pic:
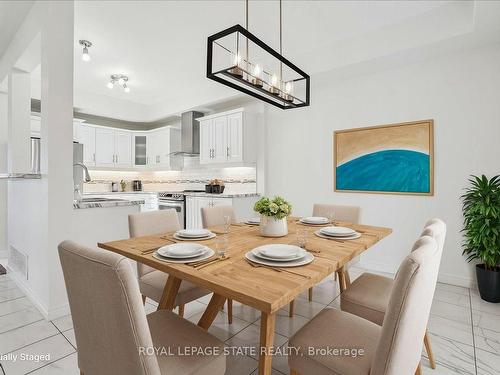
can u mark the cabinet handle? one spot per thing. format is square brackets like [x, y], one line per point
[117, 158]
[228, 151]
[93, 157]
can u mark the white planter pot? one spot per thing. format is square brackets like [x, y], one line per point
[271, 227]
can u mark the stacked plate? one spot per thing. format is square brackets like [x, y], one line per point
[314, 220]
[183, 253]
[253, 221]
[342, 233]
[280, 255]
[193, 234]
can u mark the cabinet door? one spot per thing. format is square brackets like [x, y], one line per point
[191, 217]
[206, 128]
[234, 150]
[87, 138]
[152, 151]
[104, 147]
[163, 147]
[140, 146]
[220, 139]
[123, 148]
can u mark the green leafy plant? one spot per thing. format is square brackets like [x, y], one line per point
[277, 207]
[481, 209]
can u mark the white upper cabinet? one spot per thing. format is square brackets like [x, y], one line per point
[104, 147]
[227, 138]
[158, 148]
[86, 136]
[123, 148]
[140, 149]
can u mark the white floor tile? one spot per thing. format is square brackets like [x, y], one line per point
[486, 339]
[450, 311]
[70, 335]
[446, 295]
[10, 294]
[487, 363]
[220, 328]
[193, 308]
[250, 338]
[452, 355]
[14, 305]
[305, 308]
[450, 329]
[26, 335]
[240, 364]
[452, 288]
[19, 319]
[483, 306]
[65, 366]
[56, 347]
[244, 312]
[486, 320]
[63, 323]
[285, 325]
[323, 293]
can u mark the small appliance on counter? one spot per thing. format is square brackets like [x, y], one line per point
[137, 185]
[215, 187]
[114, 187]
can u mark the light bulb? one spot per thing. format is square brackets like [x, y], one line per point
[289, 87]
[85, 55]
[121, 81]
[257, 70]
[126, 88]
[110, 85]
[237, 59]
[274, 80]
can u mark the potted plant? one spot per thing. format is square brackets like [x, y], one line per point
[273, 216]
[481, 208]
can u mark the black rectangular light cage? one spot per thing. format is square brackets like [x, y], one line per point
[238, 59]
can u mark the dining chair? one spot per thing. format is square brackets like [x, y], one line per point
[114, 335]
[214, 216]
[152, 281]
[343, 213]
[368, 296]
[391, 349]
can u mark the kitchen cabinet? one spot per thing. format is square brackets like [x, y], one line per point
[36, 122]
[86, 136]
[104, 147]
[158, 148]
[140, 147]
[228, 138]
[123, 148]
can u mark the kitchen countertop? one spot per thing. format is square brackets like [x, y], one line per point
[120, 192]
[106, 204]
[223, 195]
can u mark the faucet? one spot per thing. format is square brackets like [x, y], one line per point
[85, 169]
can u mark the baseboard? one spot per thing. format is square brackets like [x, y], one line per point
[48, 314]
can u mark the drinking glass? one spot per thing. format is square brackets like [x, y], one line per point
[302, 238]
[331, 217]
[221, 245]
[227, 223]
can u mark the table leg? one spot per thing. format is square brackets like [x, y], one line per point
[267, 322]
[215, 304]
[167, 301]
[344, 279]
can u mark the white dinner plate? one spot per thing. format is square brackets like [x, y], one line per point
[279, 251]
[182, 250]
[180, 238]
[308, 258]
[353, 237]
[337, 231]
[294, 256]
[193, 233]
[314, 220]
[207, 254]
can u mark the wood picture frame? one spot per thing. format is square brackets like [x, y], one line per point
[392, 159]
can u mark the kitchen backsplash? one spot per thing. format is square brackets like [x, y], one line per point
[236, 179]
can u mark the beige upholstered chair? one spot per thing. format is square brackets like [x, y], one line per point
[113, 333]
[368, 296]
[342, 213]
[391, 349]
[214, 216]
[151, 281]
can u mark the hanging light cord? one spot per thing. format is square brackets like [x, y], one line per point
[281, 41]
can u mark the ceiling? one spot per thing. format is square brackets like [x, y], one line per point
[161, 46]
[12, 14]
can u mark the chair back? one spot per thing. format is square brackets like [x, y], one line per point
[108, 316]
[435, 228]
[400, 345]
[342, 213]
[149, 224]
[213, 216]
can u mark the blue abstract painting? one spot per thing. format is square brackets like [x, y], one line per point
[392, 158]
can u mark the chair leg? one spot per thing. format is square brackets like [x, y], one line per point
[418, 371]
[310, 294]
[181, 311]
[230, 311]
[291, 309]
[143, 299]
[293, 372]
[335, 276]
[428, 349]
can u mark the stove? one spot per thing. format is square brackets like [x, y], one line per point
[169, 196]
[176, 200]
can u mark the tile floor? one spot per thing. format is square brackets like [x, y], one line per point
[465, 331]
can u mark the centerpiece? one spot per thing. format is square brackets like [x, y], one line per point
[273, 213]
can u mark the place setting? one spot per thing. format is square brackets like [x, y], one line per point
[337, 233]
[193, 235]
[315, 221]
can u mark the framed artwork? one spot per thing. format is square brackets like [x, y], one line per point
[390, 159]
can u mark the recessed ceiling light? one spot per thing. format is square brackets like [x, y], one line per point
[86, 45]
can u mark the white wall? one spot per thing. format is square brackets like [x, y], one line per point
[460, 92]
[3, 168]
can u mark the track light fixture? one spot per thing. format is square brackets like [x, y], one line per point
[86, 45]
[120, 80]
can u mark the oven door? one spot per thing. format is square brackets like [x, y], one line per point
[178, 206]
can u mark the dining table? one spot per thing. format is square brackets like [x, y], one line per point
[233, 277]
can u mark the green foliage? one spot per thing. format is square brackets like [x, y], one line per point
[481, 208]
[277, 207]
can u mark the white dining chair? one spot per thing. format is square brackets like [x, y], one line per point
[152, 281]
[368, 296]
[212, 217]
[391, 349]
[114, 335]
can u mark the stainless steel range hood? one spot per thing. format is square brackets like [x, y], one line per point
[190, 134]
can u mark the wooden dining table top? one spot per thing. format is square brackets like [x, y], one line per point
[235, 278]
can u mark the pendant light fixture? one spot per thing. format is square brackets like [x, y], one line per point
[120, 80]
[238, 59]
[85, 53]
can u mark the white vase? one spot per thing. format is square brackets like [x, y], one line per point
[271, 227]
